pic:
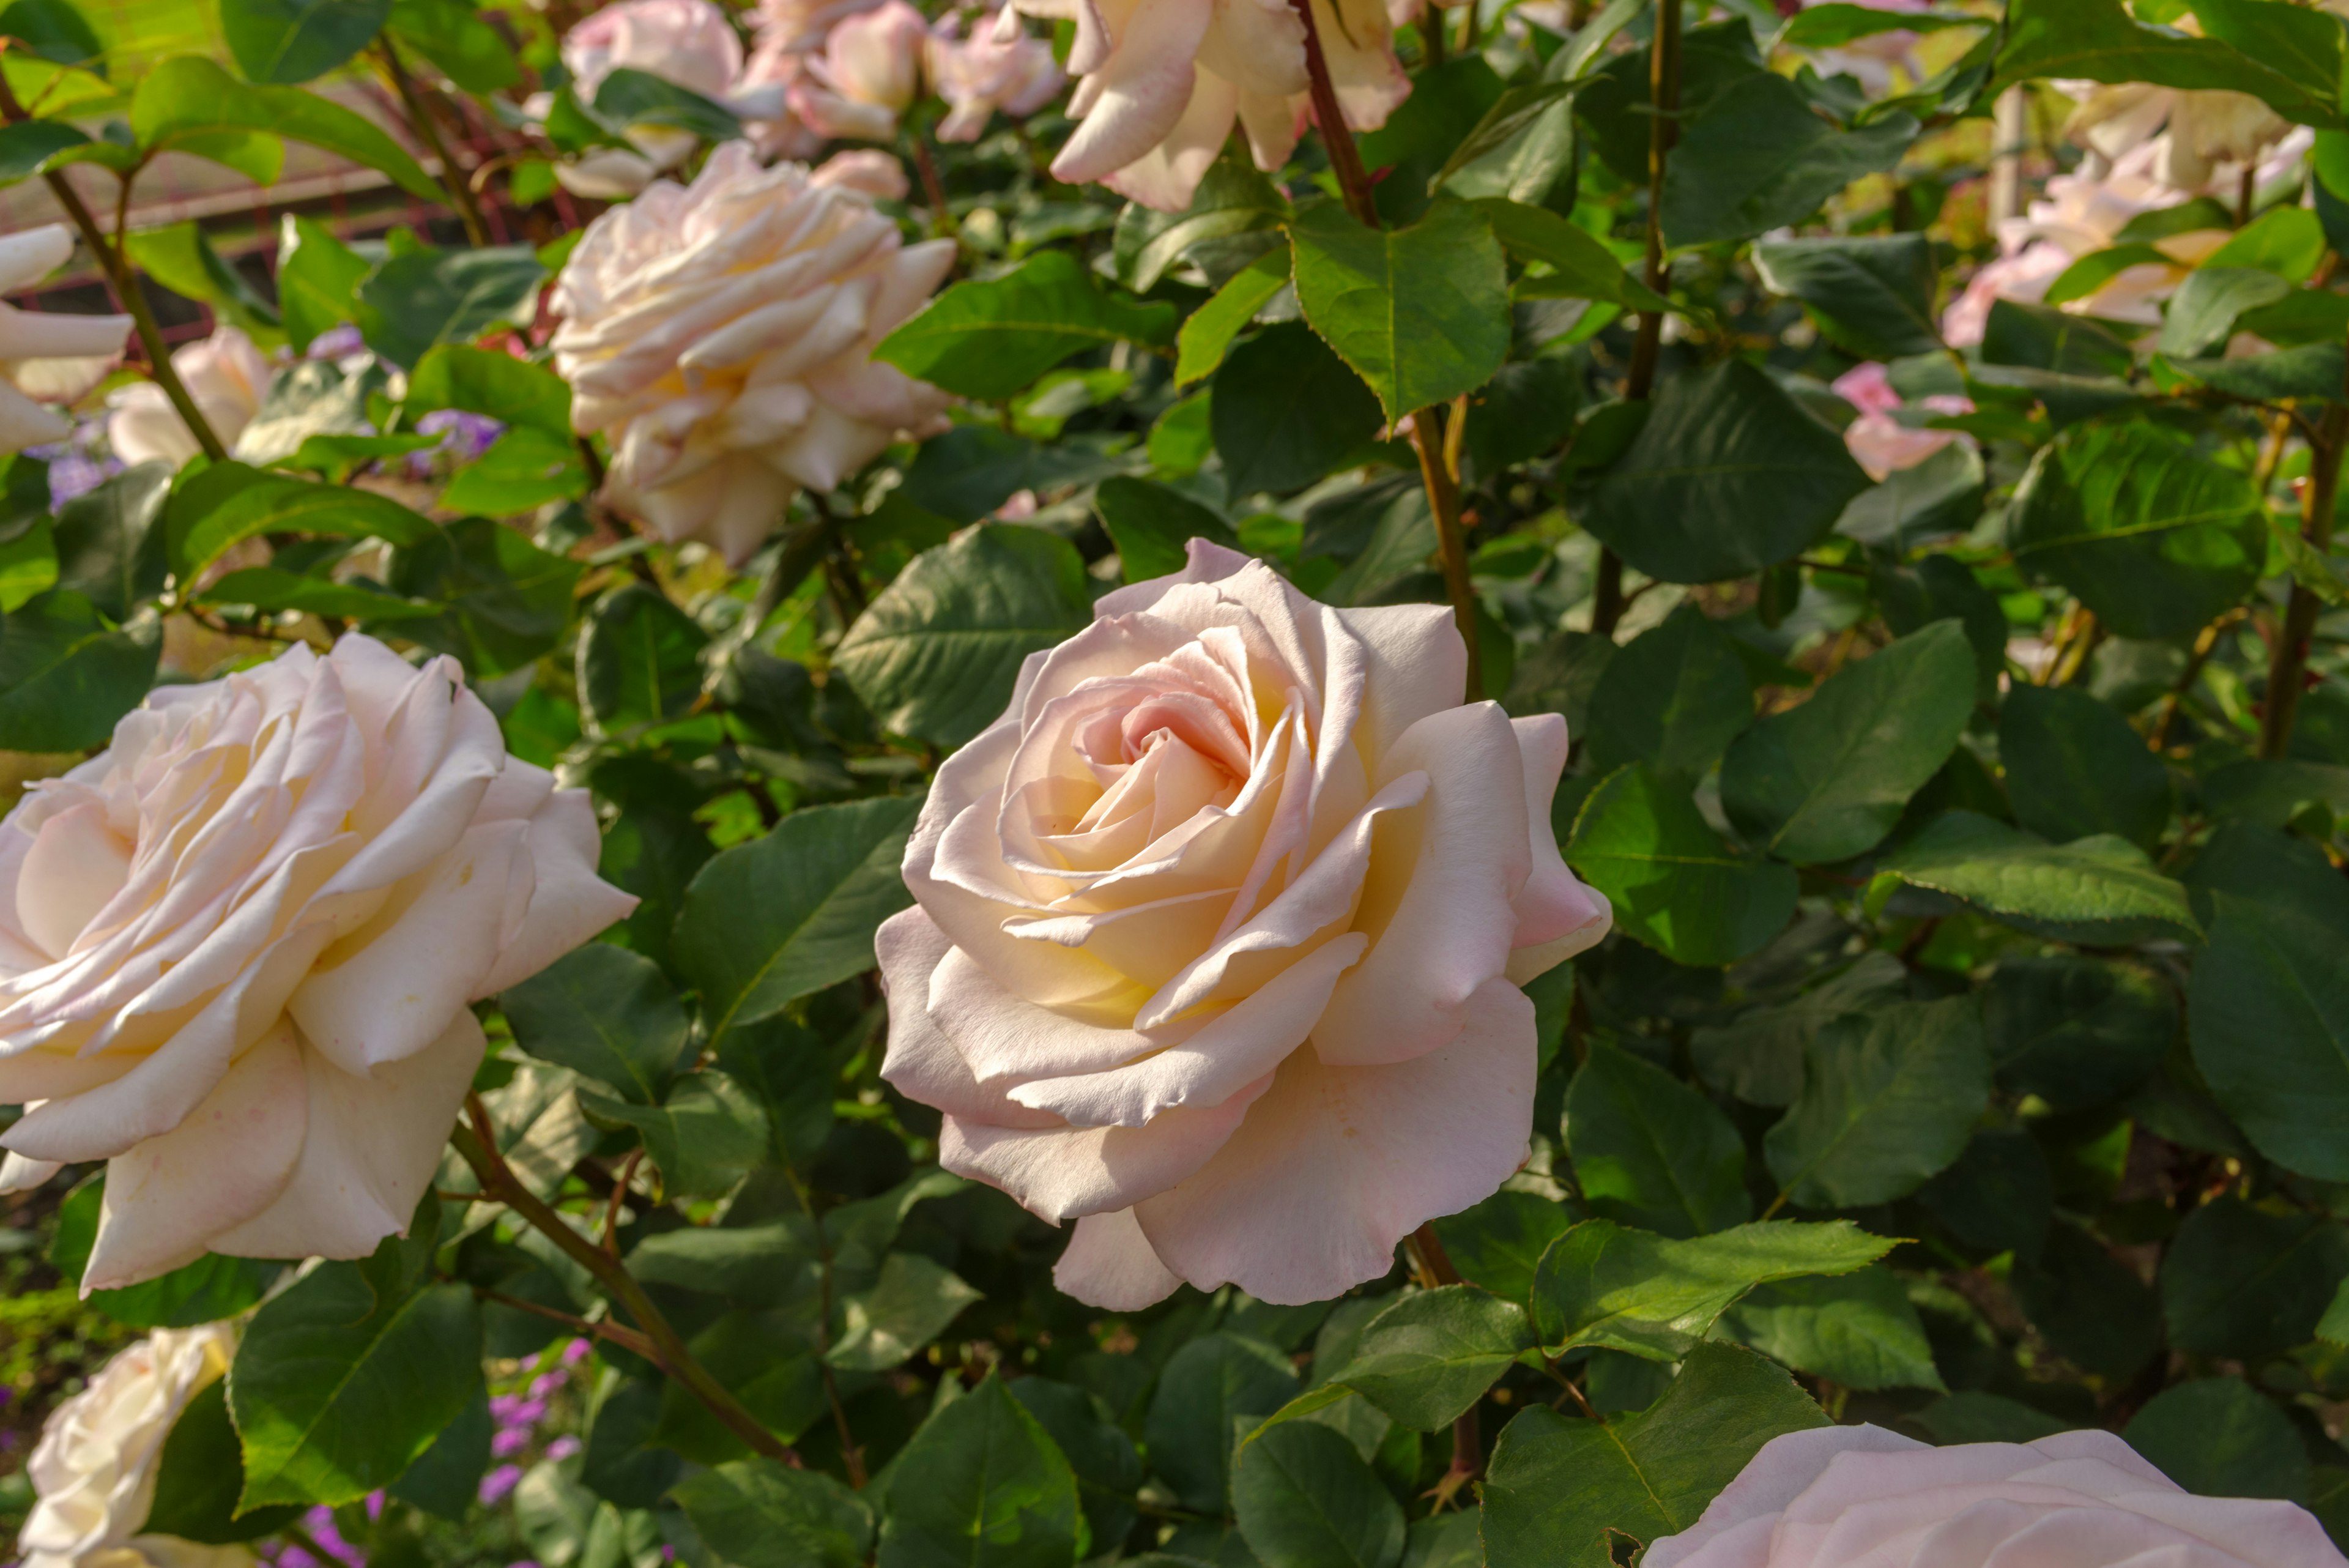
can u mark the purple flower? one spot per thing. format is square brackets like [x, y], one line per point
[500, 1482]
[502, 1408]
[577, 1351]
[508, 1442]
[464, 438]
[374, 1506]
[547, 1383]
[335, 342]
[562, 1448]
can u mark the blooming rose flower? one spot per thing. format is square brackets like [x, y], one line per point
[236, 948]
[1218, 933]
[866, 170]
[46, 357]
[1161, 81]
[800, 26]
[992, 70]
[2198, 130]
[723, 334]
[1837, 1496]
[226, 374]
[869, 72]
[1878, 441]
[94, 1471]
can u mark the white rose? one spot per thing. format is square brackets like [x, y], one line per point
[94, 1471]
[1837, 1497]
[46, 358]
[869, 72]
[236, 950]
[226, 376]
[722, 333]
[1218, 936]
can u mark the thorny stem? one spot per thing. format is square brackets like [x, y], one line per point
[1438, 460]
[626, 1338]
[478, 1145]
[125, 288]
[2288, 662]
[419, 116]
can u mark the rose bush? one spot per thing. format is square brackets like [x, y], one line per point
[236, 948]
[1219, 934]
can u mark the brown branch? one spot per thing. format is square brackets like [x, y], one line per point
[419, 116]
[2288, 660]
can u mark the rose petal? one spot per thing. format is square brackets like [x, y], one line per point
[1109, 1263]
[1062, 1173]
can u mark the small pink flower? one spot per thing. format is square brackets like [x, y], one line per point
[867, 169]
[1000, 68]
[1869, 387]
[869, 72]
[499, 1482]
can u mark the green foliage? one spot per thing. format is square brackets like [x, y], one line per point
[992, 338]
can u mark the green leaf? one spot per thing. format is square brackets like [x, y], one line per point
[1758, 157]
[413, 302]
[1578, 266]
[1673, 698]
[705, 1138]
[2202, 313]
[522, 470]
[1150, 525]
[2075, 767]
[507, 600]
[446, 1479]
[909, 1305]
[628, 99]
[1727, 476]
[1833, 25]
[288, 41]
[1758, 1056]
[767, 922]
[607, 1014]
[1207, 332]
[2221, 1437]
[107, 546]
[66, 675]
[2245, 1283]
[28, 147]
[1432, 1355]
[199, 1475]
[1673, 885]
[935, 656]
[985, 1487]
[1650, 1151]
[1970, 1416]
[2089, 1306]
[1917, 594]
[1858, 1331]
[348, 1375]
[1306, 1500]
[1497, 1243]
[760, 1513]
[1108, 1470]
[2098, 268]
[485, 381]
[181, 258]
[2267, 1016]
[639, 660]
[1601, 1284]
[1206, 1388]
[1872, 296]
[2098, 40]
[1827, 780]
[467, 49]
[230, 503]
[317, 280]
[189, 104]
[54, 30]
[1560, 1490]
[2286, 241]
[991, 338]
[2076, 1031]
[2153, 537]
[1887, 1100]
[2101, 890]
[1942, 495]
[309, 398]
[1422, 314]
[1233, 198]
[1285, 411]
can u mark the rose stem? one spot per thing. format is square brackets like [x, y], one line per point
[1608, 601]
[419, 115]
[478, 1145]
[618, 1334]
[1426, 424]
[2287, 665]
[1467, 1438]
[125, 288]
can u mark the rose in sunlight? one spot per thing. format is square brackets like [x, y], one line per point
[870, 70]
[45, 358]
[1218, 935]
[1842, 1495]
[236, 949]
[1162, 82]
[226, 374]
[722, 335]
[94, 1471]
[996, 68]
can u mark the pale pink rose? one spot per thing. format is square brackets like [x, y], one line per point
[1839, 1496]
[762, 96]
[800, 26]
[867, 170]
[1883, 445]
[870, 71]
[95, 1469]
[1218, 934]
[45, 356]
[237, 946]
[693, 45]
[226, 374]
[722, 335]
[1867, 387]
[993, 70]
[1162, 82]
[2198, 139]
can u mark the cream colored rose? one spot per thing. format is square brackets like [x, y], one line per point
[46, 358]
[1838, 1497]
[236, 950]
[94, 1471]
[995, 69]
[1218, 936]
[869, 72]
[722, 335]
[226, 374]
[2198, 131]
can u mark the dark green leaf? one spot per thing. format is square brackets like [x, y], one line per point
[1758, 1057]
[1858, 1331]
[1673, 698]
[910, 1303]
[1673, 883]
[187, 102]
[1206, 1387]
[2221, 1437]
[1887, 1100]
[199, 1475]
[2245, 1283]
[446, 1478]
[992, 338]
[639, 659]
[2092, 1308]
[66, 676]
[467, 49]
[1233, 198]
[760, 1513]
[1108, 1470]
[484, 381]
[1151, 525]
[1207, 332]
[230, 503]
[508, 601]
[412, 303]
[108, 549]
[1306, 1500]
[54, 30]
[1650, 1151]
[2202, 313]
[705, 1138]
[317, 280]
[1759, 157]
[1872, 296]
[605, 1013]
[2098, 40]
[2076, 1031]
[627, 98]
[2102, 890]
[2074, 767]
[1497, 1243]
[1578, 266]
[986, 1488]
[2268, 1014]
[1432, 1355]
[288, 41]
[1420, 313]
[1286, 410]
[1942, 495]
